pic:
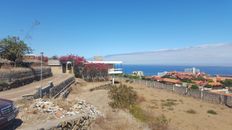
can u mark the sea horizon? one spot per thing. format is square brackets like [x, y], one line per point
[150, 70]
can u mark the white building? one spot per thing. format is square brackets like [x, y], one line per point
[192, 70]
[138, 73]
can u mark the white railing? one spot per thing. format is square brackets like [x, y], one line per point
[115, 71]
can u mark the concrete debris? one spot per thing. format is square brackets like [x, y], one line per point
[82, 123]
[80, 107]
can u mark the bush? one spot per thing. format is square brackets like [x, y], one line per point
[191, 111]
[122, 96]
[208, 86]
[187, 80]
[194, 87]
[95, 72]
[227, 83]
[212, 112]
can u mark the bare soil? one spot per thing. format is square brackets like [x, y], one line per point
[185, 113]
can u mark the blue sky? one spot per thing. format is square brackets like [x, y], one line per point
[103, 27]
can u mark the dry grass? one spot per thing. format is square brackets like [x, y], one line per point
[113, 121]
[106, 87]
[141, 99]
[169, 104]
[191, 111]
[65, 104]
[23, 103]
[124, 97]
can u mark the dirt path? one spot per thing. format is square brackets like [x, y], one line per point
[17, 93]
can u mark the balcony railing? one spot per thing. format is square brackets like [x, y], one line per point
[115, 71]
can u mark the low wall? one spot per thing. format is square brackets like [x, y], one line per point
[54, 90]
[17, 77]
[195, 93]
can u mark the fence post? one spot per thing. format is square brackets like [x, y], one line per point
[40, 92]
[202, 94]
[173, 88]
[50, 93]
[186, 91]
[221, 99]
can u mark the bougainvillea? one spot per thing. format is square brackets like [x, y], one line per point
[94, 71]
[74, 59]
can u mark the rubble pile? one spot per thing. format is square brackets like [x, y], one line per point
[80, 107]
[82, 123]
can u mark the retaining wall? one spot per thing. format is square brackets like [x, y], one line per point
[17, 77]
[54, 90]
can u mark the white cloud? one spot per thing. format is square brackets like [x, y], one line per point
[205, 55]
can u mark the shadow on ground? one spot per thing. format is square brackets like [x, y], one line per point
[14, 125]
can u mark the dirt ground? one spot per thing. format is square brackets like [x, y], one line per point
[184, 113]
[113, 119]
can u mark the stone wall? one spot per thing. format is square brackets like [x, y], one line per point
[16, 77]
[195, 93]
[54, 90]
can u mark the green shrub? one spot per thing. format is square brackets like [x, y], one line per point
[194, 87]
[212, 112]
[227, 82]
[122, 96]
[187, 80]
[208, 86]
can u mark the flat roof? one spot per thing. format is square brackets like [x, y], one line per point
[106, 62]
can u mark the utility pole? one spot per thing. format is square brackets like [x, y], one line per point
[41, 67]
[41, 75]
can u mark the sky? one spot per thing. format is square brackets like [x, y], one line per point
[203, 55]
[103, 27]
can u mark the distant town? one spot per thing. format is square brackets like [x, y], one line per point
[191, 78]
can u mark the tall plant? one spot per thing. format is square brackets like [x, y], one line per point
[13, 49]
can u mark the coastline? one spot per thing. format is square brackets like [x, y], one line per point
[150, 70]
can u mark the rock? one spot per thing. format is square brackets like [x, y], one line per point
[81, 107]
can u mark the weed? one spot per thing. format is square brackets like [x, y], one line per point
[191, 111]
[212, 112]
[138, 113]
[122, 96]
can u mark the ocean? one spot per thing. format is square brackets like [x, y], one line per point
[149, 70]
